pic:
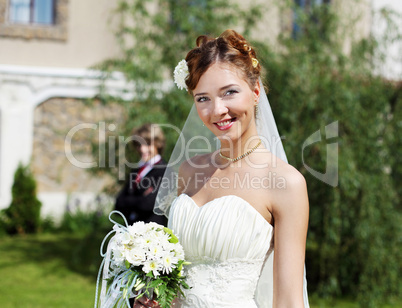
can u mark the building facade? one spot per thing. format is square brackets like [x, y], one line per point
[46, 50]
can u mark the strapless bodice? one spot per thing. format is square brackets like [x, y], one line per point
[227, 241]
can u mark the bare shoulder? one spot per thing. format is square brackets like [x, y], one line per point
[294, 179]
[292, 196]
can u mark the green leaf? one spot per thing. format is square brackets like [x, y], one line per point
[173, 238]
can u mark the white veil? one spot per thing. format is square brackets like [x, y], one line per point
[196, 139]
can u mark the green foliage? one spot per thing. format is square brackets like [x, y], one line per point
[355, 228]
[165, 287]
[23, 214]
[83, 222]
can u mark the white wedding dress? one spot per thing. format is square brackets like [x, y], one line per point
[227, 242]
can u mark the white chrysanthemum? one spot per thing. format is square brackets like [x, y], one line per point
[162, 237]
[153, 266]
[138, 228]
[180, 74]
[169, 262]
[147, 241]
[156, 251]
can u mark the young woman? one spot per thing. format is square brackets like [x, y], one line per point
[237, 205]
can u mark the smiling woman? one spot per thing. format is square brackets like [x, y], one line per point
[227, 231]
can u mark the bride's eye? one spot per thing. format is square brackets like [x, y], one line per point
[230, 92]
[202, 99]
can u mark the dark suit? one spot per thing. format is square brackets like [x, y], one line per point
[133, 201]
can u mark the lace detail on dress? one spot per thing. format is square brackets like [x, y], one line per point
[229, 283]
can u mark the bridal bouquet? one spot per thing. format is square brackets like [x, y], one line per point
[142, 259]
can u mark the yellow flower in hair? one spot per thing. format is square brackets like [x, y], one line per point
[255, 62]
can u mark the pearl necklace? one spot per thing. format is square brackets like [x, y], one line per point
[241, 156]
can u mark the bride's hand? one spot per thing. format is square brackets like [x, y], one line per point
[145, 302]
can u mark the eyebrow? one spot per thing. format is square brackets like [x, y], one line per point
[221, 89]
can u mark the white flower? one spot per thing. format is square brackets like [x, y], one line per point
[162, 238]
[138, 228]
[147, 241]
[180, 75]
[169, 263]
[156, 251]
[135, 256]
[153, 226]
[153, 266]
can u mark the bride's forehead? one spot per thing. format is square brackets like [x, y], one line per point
[220, 74]
[222, 70]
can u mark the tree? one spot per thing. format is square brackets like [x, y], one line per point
[355, 228]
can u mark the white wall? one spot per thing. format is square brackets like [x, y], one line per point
[392, 68]
[89, 40]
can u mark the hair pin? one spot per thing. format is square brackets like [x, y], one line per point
[255, 62]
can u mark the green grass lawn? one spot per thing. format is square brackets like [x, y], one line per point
[41, 271]
[60, 271]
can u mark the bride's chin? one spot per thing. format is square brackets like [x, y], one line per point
[227, 139]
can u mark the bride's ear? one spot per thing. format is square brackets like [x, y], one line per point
[257, 91]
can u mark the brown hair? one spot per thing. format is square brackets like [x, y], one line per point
[231, 48]
[150, 133]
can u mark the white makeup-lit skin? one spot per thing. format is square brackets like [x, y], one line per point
[225, 104]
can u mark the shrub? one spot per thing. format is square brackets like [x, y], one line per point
[23, 214]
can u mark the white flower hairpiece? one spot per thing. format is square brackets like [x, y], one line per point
[180, 74]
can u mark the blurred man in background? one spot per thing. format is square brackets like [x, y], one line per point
[137, 198]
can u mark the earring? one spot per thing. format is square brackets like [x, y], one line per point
[256, 110]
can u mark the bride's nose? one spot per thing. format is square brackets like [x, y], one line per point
[220, 107]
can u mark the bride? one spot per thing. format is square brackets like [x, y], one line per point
[237, 205]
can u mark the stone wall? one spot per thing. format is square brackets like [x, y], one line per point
[53, 119]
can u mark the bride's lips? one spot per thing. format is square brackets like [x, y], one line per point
[225, 124]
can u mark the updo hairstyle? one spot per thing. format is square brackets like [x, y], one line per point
[229, 48]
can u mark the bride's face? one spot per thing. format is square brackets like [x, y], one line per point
[225, 102]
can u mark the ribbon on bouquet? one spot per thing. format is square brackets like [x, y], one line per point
[113, 295]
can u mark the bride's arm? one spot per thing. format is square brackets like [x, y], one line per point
[290, 211]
